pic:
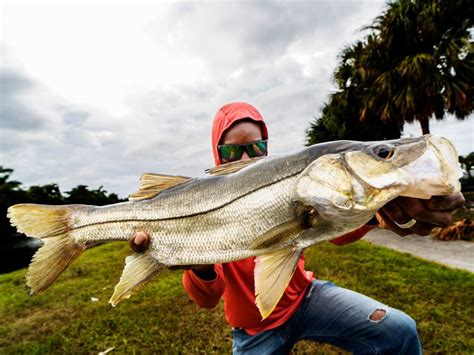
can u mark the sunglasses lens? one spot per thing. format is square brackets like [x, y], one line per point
[257, 149]
[230, 152]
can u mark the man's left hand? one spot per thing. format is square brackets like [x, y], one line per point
[435, 212]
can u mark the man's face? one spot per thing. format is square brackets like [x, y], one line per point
[242, 132]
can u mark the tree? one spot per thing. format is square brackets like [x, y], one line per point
[10, 193]
[4, 179]
[430, 62]
[467, 163]
[82, 195]
[340, 120]
[417, 62]
[47, 194]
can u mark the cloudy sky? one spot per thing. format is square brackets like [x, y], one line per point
[96, 92]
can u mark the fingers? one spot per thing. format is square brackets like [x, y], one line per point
[435, 212]
[417, 209]
[201, 267]
[180, 267]
[395, 214]
[139, 242]
[446, 203]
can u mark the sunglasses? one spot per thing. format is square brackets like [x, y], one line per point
[233, 152]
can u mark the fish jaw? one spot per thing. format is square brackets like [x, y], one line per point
[436, 172]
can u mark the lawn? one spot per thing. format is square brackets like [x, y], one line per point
[161, 318]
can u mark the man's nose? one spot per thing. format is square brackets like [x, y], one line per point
[245, 156]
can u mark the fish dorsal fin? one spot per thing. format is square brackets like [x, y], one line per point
[138, 270]
[273, 273]
[280, 234]
[152, 184]
[232, 167]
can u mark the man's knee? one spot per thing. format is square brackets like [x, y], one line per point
[377, 315]
[407, 340]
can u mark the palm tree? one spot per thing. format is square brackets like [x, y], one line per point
[346, 115]
[5, 183]
[417, 62]
[421, 53]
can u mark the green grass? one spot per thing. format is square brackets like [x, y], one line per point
[161, 318]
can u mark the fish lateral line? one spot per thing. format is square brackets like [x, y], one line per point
[186, 215]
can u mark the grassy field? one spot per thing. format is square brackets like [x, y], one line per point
[161, 318]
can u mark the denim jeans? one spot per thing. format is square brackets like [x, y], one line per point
[335, 315]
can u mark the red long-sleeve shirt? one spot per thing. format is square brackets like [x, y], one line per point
[235, 281]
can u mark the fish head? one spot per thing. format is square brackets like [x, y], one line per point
[352, 185]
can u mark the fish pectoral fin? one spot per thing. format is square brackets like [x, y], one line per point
[138, 270]
[273, 273]
[280, 234]
[232, 167]
[152, 184]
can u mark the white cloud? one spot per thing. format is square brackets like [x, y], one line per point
[112, 90]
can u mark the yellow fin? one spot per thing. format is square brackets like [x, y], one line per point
[232, 167]
[138, 270]
[152, 184]
[51, 224]
[282, 233]
[273, 273]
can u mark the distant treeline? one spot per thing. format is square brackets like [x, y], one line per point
[12, 192]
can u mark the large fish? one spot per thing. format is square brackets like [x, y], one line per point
[271, 208]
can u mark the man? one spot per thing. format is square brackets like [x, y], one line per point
[309, 309]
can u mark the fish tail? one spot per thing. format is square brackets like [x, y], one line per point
[52, 225]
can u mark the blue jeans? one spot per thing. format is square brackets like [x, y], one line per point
[341, 317]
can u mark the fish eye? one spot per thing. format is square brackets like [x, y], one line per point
[383, 151]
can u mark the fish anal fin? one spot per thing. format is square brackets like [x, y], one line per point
[152, 184]
[280, 234]
[232, 167]
[273, 272]
[138, 270]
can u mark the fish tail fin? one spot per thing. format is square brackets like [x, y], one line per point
[52, 225]
[138, 270]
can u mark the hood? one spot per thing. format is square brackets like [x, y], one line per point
[228, 115]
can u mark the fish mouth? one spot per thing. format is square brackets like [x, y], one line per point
[436, 172]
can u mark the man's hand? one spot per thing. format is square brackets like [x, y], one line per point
[435, 212]
[140, 241]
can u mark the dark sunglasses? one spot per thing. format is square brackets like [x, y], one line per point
[233, 152]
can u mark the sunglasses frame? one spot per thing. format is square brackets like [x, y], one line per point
[242, 148]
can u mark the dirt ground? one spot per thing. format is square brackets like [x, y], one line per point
[457, 254]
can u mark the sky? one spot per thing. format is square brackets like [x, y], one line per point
[98, 92]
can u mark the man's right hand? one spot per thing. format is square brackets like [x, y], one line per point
[139, 243]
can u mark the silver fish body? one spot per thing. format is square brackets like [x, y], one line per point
[272, 209]
[209, 220]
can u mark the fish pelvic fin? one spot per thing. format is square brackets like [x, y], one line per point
[139, 269]
[273, 272]
[152, 184]
[281, 234]
[52, 225]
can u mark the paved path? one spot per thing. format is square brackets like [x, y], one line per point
[458, 254]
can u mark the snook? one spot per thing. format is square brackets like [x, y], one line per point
[272, 208]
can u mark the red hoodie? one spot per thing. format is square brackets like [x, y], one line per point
[235, 280]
